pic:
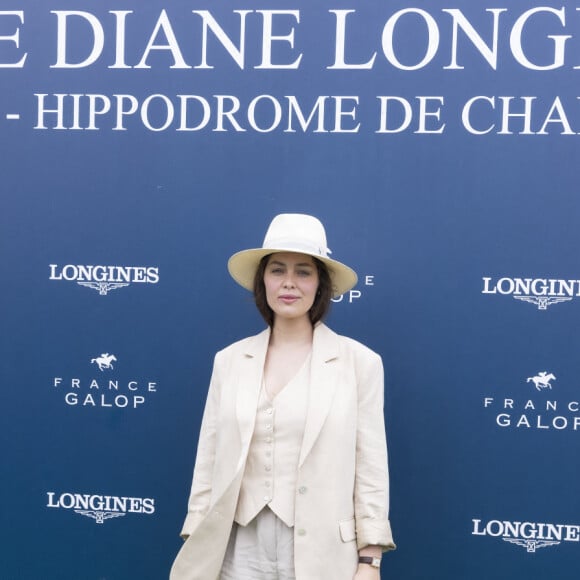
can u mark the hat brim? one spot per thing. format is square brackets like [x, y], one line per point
[243, 265]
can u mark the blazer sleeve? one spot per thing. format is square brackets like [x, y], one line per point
[371, 493]
[200, 496]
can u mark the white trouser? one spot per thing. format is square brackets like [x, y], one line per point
[262, 550]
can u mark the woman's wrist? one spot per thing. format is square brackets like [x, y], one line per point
[370, 556]
[367, 572]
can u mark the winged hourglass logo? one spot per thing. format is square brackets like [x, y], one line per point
[103, 287]
[531, 545]
[99, 516]
[542, 302]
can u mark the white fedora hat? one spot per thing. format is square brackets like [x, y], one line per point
[292, 232]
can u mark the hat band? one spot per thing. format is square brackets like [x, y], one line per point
[295, 246]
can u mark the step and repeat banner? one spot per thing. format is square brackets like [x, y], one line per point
[142, 143]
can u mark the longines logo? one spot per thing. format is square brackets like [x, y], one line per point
[103, 279]
[541, 292]
[528, 535]
[105, 391]
[100, 507]
[544, 413]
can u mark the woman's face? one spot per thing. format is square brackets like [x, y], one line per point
[291, 282]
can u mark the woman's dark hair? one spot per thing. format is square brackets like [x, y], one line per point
[321, 303]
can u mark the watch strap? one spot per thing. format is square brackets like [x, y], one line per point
[374, 562]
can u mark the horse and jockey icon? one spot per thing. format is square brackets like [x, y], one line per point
[105, 361]
[542, 380]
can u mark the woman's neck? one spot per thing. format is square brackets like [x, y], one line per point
[291, 332]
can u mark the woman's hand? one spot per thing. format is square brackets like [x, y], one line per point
[366, 572]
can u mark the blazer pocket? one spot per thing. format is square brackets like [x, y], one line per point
[347, 530]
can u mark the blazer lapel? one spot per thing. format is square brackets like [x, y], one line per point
[249, 374]
[323, 382]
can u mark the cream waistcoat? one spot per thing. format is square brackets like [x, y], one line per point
[271, 469]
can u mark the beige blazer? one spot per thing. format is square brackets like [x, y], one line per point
[342, 491]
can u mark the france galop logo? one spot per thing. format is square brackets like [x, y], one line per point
[105, 361]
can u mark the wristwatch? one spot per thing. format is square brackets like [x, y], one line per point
[374, 562]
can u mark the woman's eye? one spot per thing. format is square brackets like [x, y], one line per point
[304, 273]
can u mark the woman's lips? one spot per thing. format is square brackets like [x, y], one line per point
[288, 298]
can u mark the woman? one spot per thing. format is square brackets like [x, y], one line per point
[290, 479]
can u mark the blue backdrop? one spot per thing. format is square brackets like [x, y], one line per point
[141, 144]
